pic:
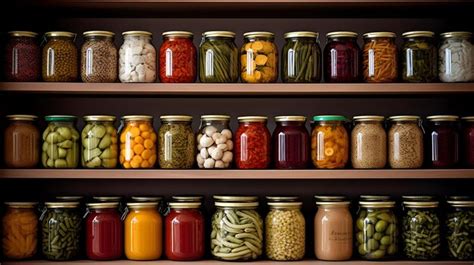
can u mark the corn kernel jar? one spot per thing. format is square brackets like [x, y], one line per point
[259, 58]
[138, 142]
[329, 142]
[99, 142]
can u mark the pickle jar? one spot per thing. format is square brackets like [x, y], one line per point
[259, 58]
[178, 57]
[22, 57]
[252, 143]
[380, 62]
[137, 142]
[455, 60]
[176, 142]
[214, 142]
[99, 57]
[137, 58]
[21, 142]
[468, 141]
[459, 234]
[60, 142]
[419, 57]
[290, 143]
[342, 57]
[329, 142]
[60, 57]
[99, 142]
[218, 58]
[405, 142]
[444, 141]
[368, 142]
[301, 58]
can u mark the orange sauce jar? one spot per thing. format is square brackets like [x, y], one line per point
[329, 142]
[138, 142]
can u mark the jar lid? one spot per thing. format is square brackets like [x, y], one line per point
[443, 118]
[184, 205]
[99, 118]
[463, 203]
[137, 33]
[19, 33]
[61, 204]
[147, 198]
[459, 198]
[60, 34]
[290, 118]
[329, 118]
[301, 34]
[225, 34]
[453, 34]
[176, 118]
[21, 117]
[22, 205]
[142, 205]
[252, 119]
[411, 34]
[418, 197]
[339, 34]
[423, 204]
[98, 33]
[215, 117]
[187, 198]
[102, 205]
[285, 205]
[184, 34]
[282, 198]
[380, 34]
[137, 118]
[404, 118]
[236, 204]
[73, 198]
[236, 198]
[256, 34]
[468, 118]
[377, 204]
[60, 118]
[108, 198]
[368, 118]
[329, 198]
[331, 203]
[374, 197]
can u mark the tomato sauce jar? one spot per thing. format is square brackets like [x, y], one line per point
[444, 141]
[468, 140]
[252, 143]
[177, 58]
[290, 143]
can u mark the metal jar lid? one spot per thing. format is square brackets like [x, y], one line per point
[420, 204]
[70, 198]
[329, 198]
[107, 198]
[98, 33]
[235, 198]
[137, 118]
[342, 34]
[60, 34]
[285, 205]
[443, 118]
[51, 118]
[19, 33]
[99, 118]
[185, 205]
[102, 205]
[216, 33]
[412, 34]
[21, 117]
[215, 117]
[22, 205]
[176, 118]
[333, 203]
[290, 118]
[252, 118]
[187, 198]
[377, 204]
[380, 34]
[468, 119]
[301, 34]
[404, 118]
[242, 205]
[147, 198]
[179, 34]
[368, 118]
[462, 203]
[137, 33]
[259, 34]
[142, 205]
[282, 198]
[418, 197]
[53, 205]
[374, 197]
[456, 34]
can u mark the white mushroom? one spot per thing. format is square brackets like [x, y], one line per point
[230, 145]
[216, 136]
[227, 133]
[203, 153]
[221, 140]
[227, 157]
[200, 161]
[226, 164]
[217, 153]
[198, 137]
[206, 141]
[211, 149]
[210, 130]
[223, 147]
[209, 163]
[219, 164]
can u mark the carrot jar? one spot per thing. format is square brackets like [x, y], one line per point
[252, 143]
[138, 142]
[380, 64]
[259, 58]
[329, 142]
[177, 58]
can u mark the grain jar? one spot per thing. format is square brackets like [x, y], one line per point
[99, 58]
[21, 142]
[137, 58]
[459, 234]
[329, 142]
[342, 57]
[252, 143]
[405, 142]
[60, 57]
[380, 62]
[22, 57]
[99, 142]
[176, 142]
[214, 142]
[301, 58]
[419, 57]
[259, 58]
[456, 57]
[444, 141]
[138, 142]
[178, 57]
[368, 142]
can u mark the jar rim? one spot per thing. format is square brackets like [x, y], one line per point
[285, 205]
[21, 205]
[215, 117]
[99, 118]
[464, 203]
[468, 118]
[282, 198]
[330, 203]
[22, 117]
[377, 204]
[102, 205]
[366, 197]
[418, 33]
[137, 33]
[54, 205]
[256, 34]
[290, 118]
[339, 34]
[142, 205]
[184, 205]
[236, 204]
[454, 34]
[329, 198]
[301, 34]
[187, 198]
[72, 198]
[107, 198]
[329, 118]
[147, 198]
[443, 118]
[177, 33]
[252, 118]
[219, 33]
[404, 118]
[421, 204]
[98, 33]
[20, 33]
[176, 118]
[459, 198]
[368, 118]
[60, 34]
[137, 118]
[50, 118]
[235, 198]
[418, 197]
[379, 34]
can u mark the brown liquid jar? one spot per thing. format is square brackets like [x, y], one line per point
[21, 142]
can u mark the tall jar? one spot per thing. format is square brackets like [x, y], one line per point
[380, 62]
[138, 142]
[259, 58]
[329, 142]
[176, 142]
[218, 58]
[444, 141]
[468, 141]
[21, 142]
[368, 142]
[99, 58]
[342, 58]
[301, 58]
[22, 57]
[99, 142]
[137, 58]
[60, 57]
[419, 57]
[178, 58]
[20, 230]
[456, 59]
[290, 143]
[214, 142]
[405, 142]
[60, 142]
[252, 143]
[459, 232]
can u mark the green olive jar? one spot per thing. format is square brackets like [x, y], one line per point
[176, 142]
[99, 142]
[419, 57]
[460, 229]
[60, 147]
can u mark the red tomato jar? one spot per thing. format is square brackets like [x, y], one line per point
[22, 57]
[468, 141]
[290, 143]
[184, 231]
[342, 57]
[252, 143]
[177, 58]
[444, 141]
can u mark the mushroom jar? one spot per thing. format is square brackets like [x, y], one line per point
[137, 58]
[214, 142]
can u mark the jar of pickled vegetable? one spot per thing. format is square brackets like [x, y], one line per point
[214, 142]
[456, 63]
[218, 58]
[405, 142]
[99, 142]
[459, 234]
[99, 58]
[444, 141]
[329, 142]
[290, 143]
[368, 142]
[60, 142]
[21, 142]
[22, 57]
[178, 57]
[342, 57]
[468, 141]
[137, 63]
[419, 57]
[176, 142]
[301, 58]
[259, 58]
[252, 143]
[60, 57]
[380, 62]
[138, 142]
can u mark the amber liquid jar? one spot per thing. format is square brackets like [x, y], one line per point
[21, 142]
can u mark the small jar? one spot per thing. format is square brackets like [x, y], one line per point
[137, 63]
[214, 142]
[176, 142]
[456, 62]
[20, 230]
[468, 141]
[138, 142]
[60, 57]
[419, 57]
[405, 142]
[252, 143]
[329, 142]
[99, 58]
[99, 142]
[380, 63]
[21, 142]
[60, 142]
[342, 58]
[22, 57]
[368, 142]
[259, 58]
[444, 141]
[290, 143]
[301, 58]
[459, 232]
[218, 58]
[178, 58]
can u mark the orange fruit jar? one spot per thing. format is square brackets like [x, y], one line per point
[138, 142]
[329, 142]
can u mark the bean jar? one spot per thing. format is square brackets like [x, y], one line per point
[252, 143]
[468, 141]
[178, 58]
[214, 142]
[444, 141]
[138, 142]
[21, 142]
[380, 62]
[342, 57]
[99, 142]
[329, 142]
[301, 58]
[137, 58]
[60, 142]
[460, 232]
[22, 57]
[456, 59]
[405, 142]
[290, 143]
[218, 58]
[60, 57]
[368, 142]
[259, 58]
[419, 57]
[99, 57]
[20, 230]
[176, 142]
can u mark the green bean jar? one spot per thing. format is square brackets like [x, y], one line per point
[99, 142]
[301, 58]
[419, 57]
[460, 230]
[60, 142]
[176, 146]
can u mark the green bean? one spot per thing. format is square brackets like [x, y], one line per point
[421, 234]
[460, 234]
[59, 241]
[224, 62]
[305, 65]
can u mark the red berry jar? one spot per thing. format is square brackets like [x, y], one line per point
[22, 57]
[342, 57]
[444, 141]
[252, 143]
[468, 141]
[290, 143]
[177, 58]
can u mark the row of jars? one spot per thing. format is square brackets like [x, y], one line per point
[344, 62]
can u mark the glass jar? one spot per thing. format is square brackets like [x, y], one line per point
[301, 58]
[456, 60]
[419, 57]
[444, 141]
[368, 142]
[329, 142]
[21, 141]
[218, 58]
[184, 231]
[60, 57]
[176, 142]
[99, 58]
[459, 234]
[290, 143]
[214, 142]
[99, 142]
[22, 57]
[380, 63]
[468, 141]
[405, 142]
[259, 58]
[60, 142]
[178, 57]
[342, 57]
[61, 230]
[137, 63]
[252, 143]
[138, 142]
[333, 231]
[20, 230]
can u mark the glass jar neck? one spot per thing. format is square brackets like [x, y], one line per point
[11, 210]
[290, 123]
[99, 38]
[137, 37]
[387, 39]
[60, 38]
[221, 38]
[339, 123]
[178, 210]
[443, 123]
[405, 122]
[253, 123]
[62, 123]
[259, 38]
[171, 38]
[23, 122]
[224, 123]
[303, 39]
[369, 122]
[184, 123]
[149, 210]
[104, 210]
[423, 39]
[342, 39]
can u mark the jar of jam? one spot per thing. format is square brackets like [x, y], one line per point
[380, 62]
[178, 57]
[468, 141]
[342, 57]
[329, 142]
[444, 141]
[60, 57]
[290, 143]
[252, 143]
[214, 142]
[176, 142]
[99, 58]
[138, 142]
[60, 142]
[419, 57]
[22, 57]
[405, 142]
[99, 142]
[459, 234]
[21, 141]
[368, 142]
[259, 58]
[301, 58]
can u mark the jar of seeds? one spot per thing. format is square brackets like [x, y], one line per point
[98, 57]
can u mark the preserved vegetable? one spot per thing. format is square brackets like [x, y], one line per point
[456, 59]
[259, 58]
[419, 57]
[177, 57]
[99, 58]
[380, 63]
[137, 58]
[405, 142]
[176, 142]
[99, 142]
[329, 142]
[214, 142]
[301, 58]
[369, 142]
[459, 234]
[252, 143]
[342, 57]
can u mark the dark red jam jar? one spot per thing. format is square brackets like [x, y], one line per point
[468, 141]
[22, 57]
[252, 143]
[342, 57]
[290, 143]
[177, 58]
[443, 141]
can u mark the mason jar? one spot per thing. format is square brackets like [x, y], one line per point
[137, 142]
[379, 57]
[137, 58]
[459, 232]
[99, 142]
[456, 62]
[259, 58]
[22, 57]
[329, 142]
[21, 142]
[214, 142]
[290, 143]
[176, 142]
[342, 58]
[99, 58]
[252, 143]
[444, 141]
[405, 142]
[60, 142]
[368, 142]
[178, 58]
[60, 57]
[419, 57]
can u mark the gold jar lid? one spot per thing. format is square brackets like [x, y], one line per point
[99, 118]
[243, 205]
[102, 205]
[329, 198]
[215, 117]
[182, 34]
[418, 197]
[459, 198]
[380, 34]
[21, 117]
[342, 34]
[468, 118]
[252, 119]
[374, 197]
[368, 118]
[22, 205]
[187, 198]
[285, 205]
[137, 33]
[137, 118]
[19, 33]
[147, 198]
[216, 33]
[259, 34]
[377, 204]
[282, 198]
[176, 118]
[70, 198]
[98, 33]
[412, 34]
[454, 34]
[301, 34]
[184, 205]
[443, 118]
[290, 118]
[60, 34]
[235, 198]
[462, 203]
[421, 204]
[404, 118]
[142, 205]
[107, 198]
[332, 203]
[68, 204]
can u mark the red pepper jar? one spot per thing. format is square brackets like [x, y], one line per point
[342, 57]
[252, 143]
[22, 57]
[468, 141]
[177, 57]
[444, 141]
